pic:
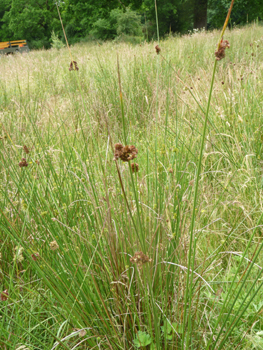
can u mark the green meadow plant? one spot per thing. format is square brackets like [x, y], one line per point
[131, 195]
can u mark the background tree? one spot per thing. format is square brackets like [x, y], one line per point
[243, 11]
[80, 15]
[33, 20]
[5, 32]
[200, 13]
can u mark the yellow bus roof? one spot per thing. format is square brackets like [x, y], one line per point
[5, 44]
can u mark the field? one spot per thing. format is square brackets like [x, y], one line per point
[97, 255]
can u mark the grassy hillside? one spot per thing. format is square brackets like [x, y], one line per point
[95, 255]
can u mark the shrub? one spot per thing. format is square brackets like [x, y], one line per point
[118, 23]
[56, 43]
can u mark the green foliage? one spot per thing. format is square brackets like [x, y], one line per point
[243, 11]
[32, 20]
[131, 19]
[142, 339]
[173, 15]
[5, 32]
[56, 43]
[79, 16]
[119, 22]
[129, 23]
[168, 329]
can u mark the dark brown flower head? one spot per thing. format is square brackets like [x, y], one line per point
[73, 66]
[125, 153]
[4, 295]
[140, 258]
[23, 163]
[25, 148]
[220, 53]
[157, 49]
[135, 167]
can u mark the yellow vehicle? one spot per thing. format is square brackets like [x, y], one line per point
[10, 47]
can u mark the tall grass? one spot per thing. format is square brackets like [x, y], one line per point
[81, 217]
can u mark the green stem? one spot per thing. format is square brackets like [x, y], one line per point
[194, 207]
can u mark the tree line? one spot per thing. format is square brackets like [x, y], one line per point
[35, 20]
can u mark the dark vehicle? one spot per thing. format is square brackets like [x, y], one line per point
[10, 47]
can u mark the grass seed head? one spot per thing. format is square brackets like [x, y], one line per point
[220, 53]
[53, 245]
[25, 148]
[18, 255]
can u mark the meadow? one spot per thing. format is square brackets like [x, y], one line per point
[163, 251]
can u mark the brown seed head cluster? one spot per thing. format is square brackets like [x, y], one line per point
[135, 167]
[73, 66]
[157, 49]
[140, 258]
[35, 256]
[4, 295]
[220, 53]
[23, 163]
[125, 153]
[25, 148]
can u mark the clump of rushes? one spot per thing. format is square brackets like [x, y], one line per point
[4, 295]
[125, 153]
[157, 49]
[23, 163]
[220, 53]
[135, 167]
[25, 148]
[140, 258]
[73, 66]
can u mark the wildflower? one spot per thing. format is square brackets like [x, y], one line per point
[23, 163]
[140, 258]
[18, 256]
[220, 53]
[157, 49]
[135, 167]
[25, 148]
[53, 245]
[125, 153]
[73, 63]
[4, 295]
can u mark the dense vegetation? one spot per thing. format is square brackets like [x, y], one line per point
[84, 19]
[94, 255]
